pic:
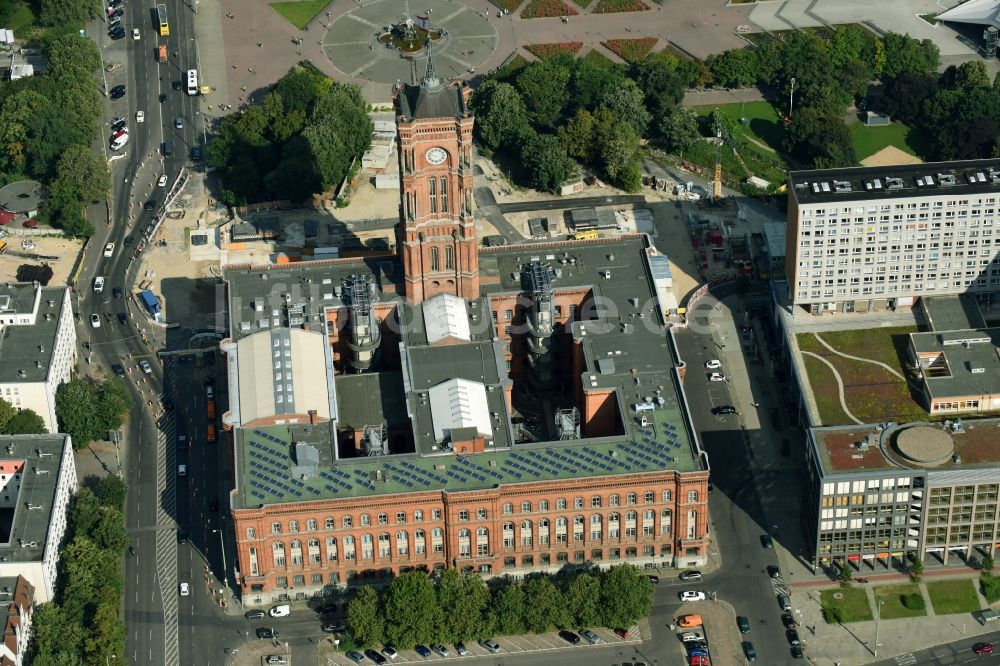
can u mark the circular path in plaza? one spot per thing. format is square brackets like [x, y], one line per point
[351, 43]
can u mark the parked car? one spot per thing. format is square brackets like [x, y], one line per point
[590, 636]
[774, 572]
[162, 182]
[118, 370]
[689, 575]
[266, 632]
[355, 656]
[793, 637]
[375, 656]
[461, 649]
[255, 614]
[490, 645]
[440, 649]
[276, 659]
[689, 636]
[117, 293]
[748, 650]
[692, 595]
[146, 367]
[140, 116]
[743, 623]
[797, 652]
[788, 621]
[95, 320]
[282, 610]
[766, 541]
[714, 364]
[422, 650]
[149, 205]
[723, 409]
[118, 91]
[334, 628]
[653, 578]
[623, 633]
[983, 648]
[118, 124]
[569, 637]
[122, 319]
[716, 377]
[390, 652]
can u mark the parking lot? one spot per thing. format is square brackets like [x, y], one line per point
[508, 645]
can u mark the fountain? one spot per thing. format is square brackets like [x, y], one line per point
[410, 36]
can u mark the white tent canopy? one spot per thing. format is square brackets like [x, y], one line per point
[981, 12]
[459, 403]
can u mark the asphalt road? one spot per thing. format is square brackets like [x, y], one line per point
[959, 652]
[735, 508]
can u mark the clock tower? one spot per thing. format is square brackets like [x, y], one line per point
[437, 229]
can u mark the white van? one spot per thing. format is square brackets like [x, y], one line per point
[119, 140]
[98, 284]
[284, 610]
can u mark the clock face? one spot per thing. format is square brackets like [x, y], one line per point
[436, 155]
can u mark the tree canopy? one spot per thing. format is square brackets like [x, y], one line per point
[87, 410]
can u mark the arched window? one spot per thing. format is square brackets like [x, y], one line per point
[482, 541]
[314, 557]
[296, 552]
[331, 549]
[631, 498]
[444, 194]
[508, 535]
[348, 547]
[293, 526]
[435, 258]
[402, 543]
[526, 536]
[650, 495]
[464, 543]
[666, 517]
[595, 502]
[418, 516]
[419, 543]
[543, 532]
[449, 257]
[383, 544]
[432, 193]
[613, 523]
[329, 522]
[279, 554]
[692, 524]
[595, 527]
[311, 524]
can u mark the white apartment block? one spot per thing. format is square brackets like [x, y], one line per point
[37, 482]
[37, 346]
[873, 238]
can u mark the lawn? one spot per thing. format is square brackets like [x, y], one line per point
[869, 140]
[547, 8]
[631, 50]
[597, 58]
[851, 606]
[763, 122]
[582, 3]
[300, 12]
[950, 597]
[760, 142]
[892, 596]
[545, 51]
[872, 393]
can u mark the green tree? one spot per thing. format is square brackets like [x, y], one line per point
[544, 87]
[735, 68]
[582, 597]
[618, 143]
[662, 84]
[109, 533]
[364, 618]
[545, 162]
[114, 401]
[411, 610]
[848, 44]
[111, 492]
[508, 609]
[905, 94]
[819, 139]
[85, 513]
[70, 51]
[544, 606]
[592, 79]
[82, 175]
[679, 130]
[66, 13]
[626, 596]
[107, 628]
[7, 412]
[19, 115]
[627, 102]
[577, 136]
[500, 114]
[301, 87]
[916, 570]
[463, 599]
[25, 422]
[88, 410]
[845, 573]
[965, 77]
[906, 54]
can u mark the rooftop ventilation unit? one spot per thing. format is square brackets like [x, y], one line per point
[894, 183]
[873, 185]
[842, 186]
[947, 180]
[978, 177]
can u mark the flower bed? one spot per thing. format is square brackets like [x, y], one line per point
[545, 51]
[614, 6]
[631, 50]
[509, 5]
[547, 8]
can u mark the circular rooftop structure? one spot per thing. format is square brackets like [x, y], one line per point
[925, 446]
[21, 197]
[370, 42]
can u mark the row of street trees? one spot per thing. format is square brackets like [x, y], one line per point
[300, 141]
[48, 122]
[416, 608]
[83, 625]
[87, 409]
[830, 73]
[552, 114]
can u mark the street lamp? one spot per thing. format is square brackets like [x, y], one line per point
[791, 97]
[878, 618]
[225, 572]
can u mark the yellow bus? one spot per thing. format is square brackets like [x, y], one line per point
[585, 235]
[161, 14]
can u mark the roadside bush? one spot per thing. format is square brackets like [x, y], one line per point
[914, 602]
[989, 585]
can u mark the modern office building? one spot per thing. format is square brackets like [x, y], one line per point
[885, 495]
[872, 238]
[499, 410]
[38, 479]
[37, 346]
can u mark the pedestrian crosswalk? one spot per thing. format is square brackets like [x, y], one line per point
[166, 533]
[906, 659]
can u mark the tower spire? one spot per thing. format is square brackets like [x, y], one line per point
[430, 81]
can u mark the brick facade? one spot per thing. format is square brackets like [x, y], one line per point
[486, 531]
